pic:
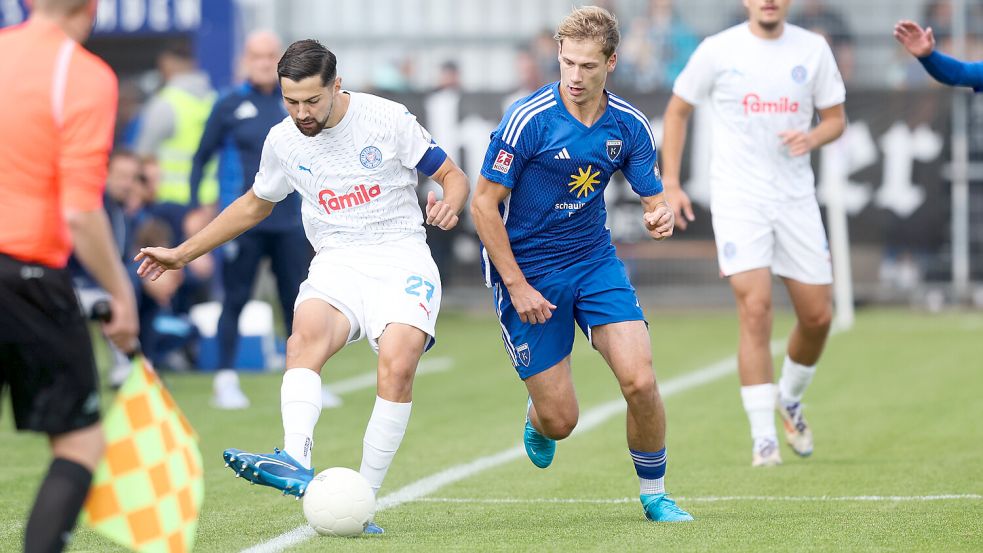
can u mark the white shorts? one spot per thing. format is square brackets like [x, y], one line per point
[375, 285]
[788, 237]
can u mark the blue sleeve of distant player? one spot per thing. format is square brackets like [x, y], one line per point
[640, 166]
[953, 72]
[211, 141]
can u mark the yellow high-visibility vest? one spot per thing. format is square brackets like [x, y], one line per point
[176, 153]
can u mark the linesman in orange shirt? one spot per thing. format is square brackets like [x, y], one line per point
[57, 110]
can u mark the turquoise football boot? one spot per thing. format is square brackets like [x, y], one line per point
[659, 508]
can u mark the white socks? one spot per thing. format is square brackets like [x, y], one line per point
[382, 438]
[795, 379]
[759, 402]
[300, 406]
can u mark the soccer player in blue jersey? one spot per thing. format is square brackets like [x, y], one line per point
[539, 211]
[947, 70]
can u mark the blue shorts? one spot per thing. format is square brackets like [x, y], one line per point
[593, 293]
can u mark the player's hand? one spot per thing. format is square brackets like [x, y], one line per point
[439, 213]
[797, 142]
[917, 41]
[660, 222]
[682, 207]
[154, 261]
[531, 306]
[123, 326]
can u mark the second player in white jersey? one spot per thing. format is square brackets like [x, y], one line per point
[758, 88]
[357, 180]
[764, 81]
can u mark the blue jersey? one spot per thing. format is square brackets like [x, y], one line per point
[557, 169]
[237, 127]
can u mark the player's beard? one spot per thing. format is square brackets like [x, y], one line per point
[318, 125]
[769, 26]
[316, 129]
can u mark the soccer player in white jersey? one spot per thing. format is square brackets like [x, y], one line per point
[763, 80]
[353, 158]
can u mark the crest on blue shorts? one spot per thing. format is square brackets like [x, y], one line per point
[370, 157]
[523, 355]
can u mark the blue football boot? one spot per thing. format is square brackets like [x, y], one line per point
[277, 470]
[373, 529]
[659, 508]
[539, 448]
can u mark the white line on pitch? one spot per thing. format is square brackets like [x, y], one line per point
[589, 420]
[707, 499]
[367, 380]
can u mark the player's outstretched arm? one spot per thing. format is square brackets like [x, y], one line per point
[531, 306]
[675, 119]
[444, 213]
[945, 69]
[242, 215]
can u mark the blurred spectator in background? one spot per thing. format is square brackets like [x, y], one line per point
[394, 76]
[122, 201]
[238, 126]
[170, 130]
[167, 336]
[546, 52]
[449, 77]
[655, 47]
[172, 124]
[820, 18]
[527, 74]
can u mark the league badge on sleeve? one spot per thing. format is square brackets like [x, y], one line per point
[503, 162]
[613, 149]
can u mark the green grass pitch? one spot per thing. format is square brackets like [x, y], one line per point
[896, 410]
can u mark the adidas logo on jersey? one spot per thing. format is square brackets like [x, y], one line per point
[334, 202]
[564, 154]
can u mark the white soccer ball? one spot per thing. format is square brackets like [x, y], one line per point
[339, 502]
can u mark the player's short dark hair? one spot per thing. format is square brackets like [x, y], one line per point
[307, 58]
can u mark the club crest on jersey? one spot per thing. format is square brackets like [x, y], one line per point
[360, 195]
[523, 355]
[799, 74]
[370, 157]
[503, 162]
[613, 149]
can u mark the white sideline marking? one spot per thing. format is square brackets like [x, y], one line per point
[367, 380]
[708, 499]
[588, 420]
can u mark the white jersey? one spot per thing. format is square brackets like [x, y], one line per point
[357, 180]
[759, 88]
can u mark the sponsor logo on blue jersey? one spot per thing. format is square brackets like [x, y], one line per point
[583, 182]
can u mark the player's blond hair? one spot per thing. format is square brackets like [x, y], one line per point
[591, 23]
